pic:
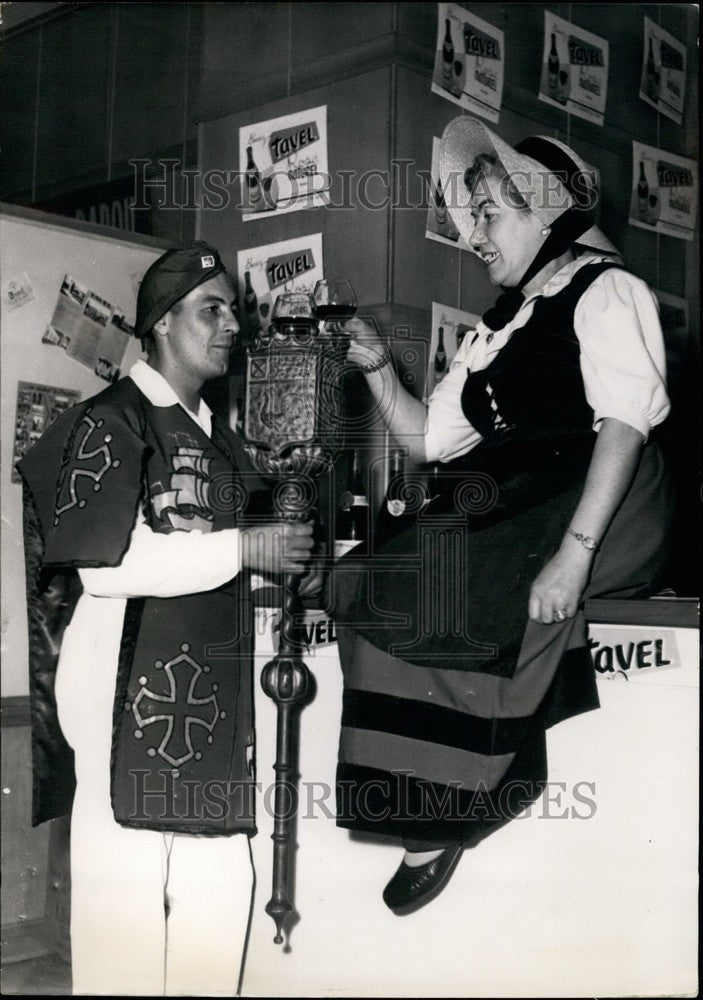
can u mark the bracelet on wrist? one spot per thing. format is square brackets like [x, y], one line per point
[385, 359]
[588, 543]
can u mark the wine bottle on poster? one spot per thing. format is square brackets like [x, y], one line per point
[448, 52]
[553, 67]
[253, 180]
[440, 357]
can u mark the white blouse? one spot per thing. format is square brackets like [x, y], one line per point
[622, 359]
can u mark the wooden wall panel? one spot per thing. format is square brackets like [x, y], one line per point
[317, 33]
[154, 72]
[18, 78]
[72, 133]
[246, 54]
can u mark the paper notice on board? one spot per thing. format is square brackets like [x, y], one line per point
[37, 407]
[439, 225]
[574, 69]
[663, 83]
[283, 163]
[18, 291]
[449, 328]
[89, 329]
[664, 192]
[266, 271]
[469, 61]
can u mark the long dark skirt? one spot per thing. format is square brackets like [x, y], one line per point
[448, 686]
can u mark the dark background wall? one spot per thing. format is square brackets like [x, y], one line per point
[87, 87]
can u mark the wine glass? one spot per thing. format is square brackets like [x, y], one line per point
[334, 302]
[294, 315]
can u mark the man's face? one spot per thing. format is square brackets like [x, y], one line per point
[200, 330]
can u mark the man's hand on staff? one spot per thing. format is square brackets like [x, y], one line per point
[278, 547]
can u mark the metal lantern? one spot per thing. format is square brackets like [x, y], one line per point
[292, 425]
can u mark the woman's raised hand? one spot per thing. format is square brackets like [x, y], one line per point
[365, 344]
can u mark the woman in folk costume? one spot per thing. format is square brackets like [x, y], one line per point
[463, 638]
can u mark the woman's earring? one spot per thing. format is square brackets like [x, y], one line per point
[545, 231]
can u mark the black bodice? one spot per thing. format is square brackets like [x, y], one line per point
[534, 387]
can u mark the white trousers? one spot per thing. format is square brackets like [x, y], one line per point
[152, 914]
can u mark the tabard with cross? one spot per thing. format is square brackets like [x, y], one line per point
[183, 727]
[183, 749]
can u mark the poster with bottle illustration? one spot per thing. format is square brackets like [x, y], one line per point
[283, 163]
[574, 69]
[664, 192]
[673, 316]
[449, 328]
[439, 225]
[663, 83]
[469, 61]
[264, 272]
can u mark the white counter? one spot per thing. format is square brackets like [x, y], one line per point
[592, 893]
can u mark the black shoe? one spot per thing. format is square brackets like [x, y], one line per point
[410, 888]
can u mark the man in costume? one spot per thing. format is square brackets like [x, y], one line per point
[140, 545]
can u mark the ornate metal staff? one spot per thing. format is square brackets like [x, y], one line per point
[291, 428]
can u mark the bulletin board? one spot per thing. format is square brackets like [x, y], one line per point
[36, 252]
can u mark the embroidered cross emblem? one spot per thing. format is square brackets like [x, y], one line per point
[95, 471]
[179, 708]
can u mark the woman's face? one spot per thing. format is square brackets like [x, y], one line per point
[507, 238]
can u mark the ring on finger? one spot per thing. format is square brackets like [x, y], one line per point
[560, 615]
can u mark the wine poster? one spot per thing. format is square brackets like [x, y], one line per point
[449, 328]
[574, 69]
[283, 163]
[469, 61]
[664, 192]
[439, 225]
[266, 271]
[663, 83]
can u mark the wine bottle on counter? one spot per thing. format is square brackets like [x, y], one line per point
[399, 509]
[395, 497]
[352, 521]
[433, 483]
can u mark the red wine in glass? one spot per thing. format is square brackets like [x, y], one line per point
[334, 302]
[293, 314]
[335, 312]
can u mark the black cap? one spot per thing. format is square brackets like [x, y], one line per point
[172, 276]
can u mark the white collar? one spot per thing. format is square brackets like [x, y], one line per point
[159, 393]
[555, 284]
[564, 275]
